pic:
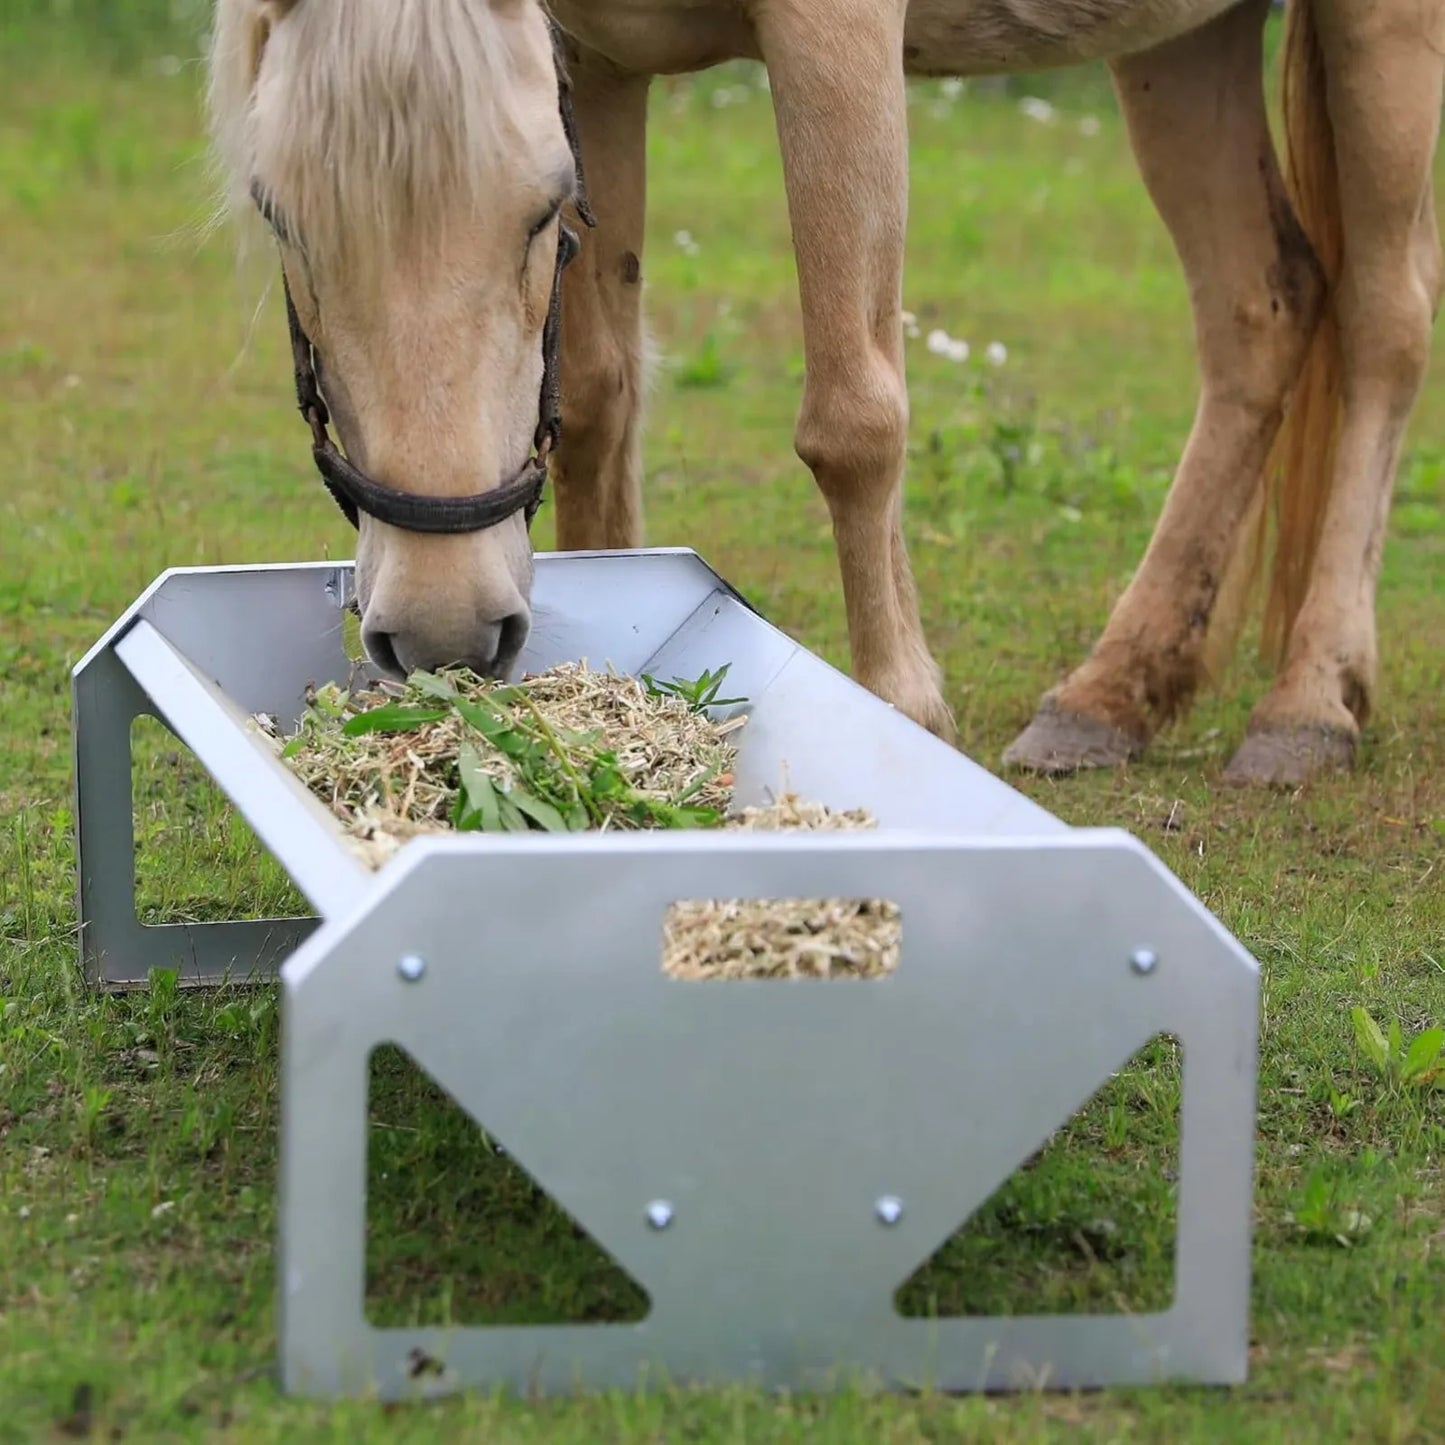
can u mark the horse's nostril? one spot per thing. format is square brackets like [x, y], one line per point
[512, 638]
[489, 650]
[381, 649]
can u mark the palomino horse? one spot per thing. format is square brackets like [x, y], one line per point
[416, 159]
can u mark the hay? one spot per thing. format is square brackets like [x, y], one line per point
[784, 938]
[386, 787]
[571, 749]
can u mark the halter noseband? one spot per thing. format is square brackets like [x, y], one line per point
[354, 492]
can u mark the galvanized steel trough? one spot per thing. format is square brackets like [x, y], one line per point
[769, 1159]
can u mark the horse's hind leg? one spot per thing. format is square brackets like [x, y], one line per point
[838, 96]
[1197, 121]
[1382, 65]
[598, 465]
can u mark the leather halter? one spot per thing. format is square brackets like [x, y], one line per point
[356, 493]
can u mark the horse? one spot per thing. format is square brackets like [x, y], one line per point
[426, 168]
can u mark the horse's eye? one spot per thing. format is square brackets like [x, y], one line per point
[568, 246]
[543, 221]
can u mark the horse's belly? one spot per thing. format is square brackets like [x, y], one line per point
[986, 37]
[941, 37]
[660, 37]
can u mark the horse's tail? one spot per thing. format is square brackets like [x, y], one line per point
[1300, 464]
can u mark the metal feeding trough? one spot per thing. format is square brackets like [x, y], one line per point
[768, 1159]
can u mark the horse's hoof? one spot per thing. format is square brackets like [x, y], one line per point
[1059, 741]
[1289, 757]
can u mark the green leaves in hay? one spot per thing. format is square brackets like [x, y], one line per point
[566, 751]
[391, 718]
[699, 693]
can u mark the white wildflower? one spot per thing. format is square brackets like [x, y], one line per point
[25, 1211]
[951, 88]
[1036, 109]
[1089, 125]
[685, 242]
[940, 343]
[164, 1207]
[997, 353]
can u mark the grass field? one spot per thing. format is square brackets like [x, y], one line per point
[144, 429]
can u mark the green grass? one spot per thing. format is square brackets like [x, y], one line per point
[137, 1134]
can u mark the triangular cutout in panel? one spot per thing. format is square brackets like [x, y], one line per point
[457, 1233]
[1086, 1225]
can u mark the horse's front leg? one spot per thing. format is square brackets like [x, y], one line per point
[598, 463]
[838, 96]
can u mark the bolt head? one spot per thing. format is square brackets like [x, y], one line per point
[659, 1214]
[411, 967]
[889, 1209]
[1143, 960]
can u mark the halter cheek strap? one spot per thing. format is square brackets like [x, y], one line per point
[356, 493]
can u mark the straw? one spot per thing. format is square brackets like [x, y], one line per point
[573, 749]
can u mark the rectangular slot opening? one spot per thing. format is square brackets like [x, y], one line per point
[781, 938]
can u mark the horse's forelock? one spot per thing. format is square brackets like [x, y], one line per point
[373, 120]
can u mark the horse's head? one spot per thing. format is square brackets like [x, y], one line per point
[413, 164]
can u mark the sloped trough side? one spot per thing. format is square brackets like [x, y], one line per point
[768, 1159]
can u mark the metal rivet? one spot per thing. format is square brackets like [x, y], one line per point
[889, 1209]
[659, 1214]
[411, 967]
[1143, 960]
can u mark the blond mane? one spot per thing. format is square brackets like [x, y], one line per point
[372, 121]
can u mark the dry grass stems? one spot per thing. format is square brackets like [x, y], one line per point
[572, 749]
